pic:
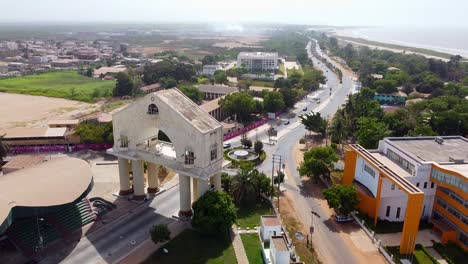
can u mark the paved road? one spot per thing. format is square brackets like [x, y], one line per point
[115, 240]
[327, 239]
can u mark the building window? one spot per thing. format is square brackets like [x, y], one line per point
[392, 187]
[387, 214]
[214, 152]
[398, 212]
[432, 185]
[417, 184]
[425, 185]
[123, 141]
[369, 170]
[152, 109]
[189, 156]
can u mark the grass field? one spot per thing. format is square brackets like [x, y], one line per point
[249, 216]
[253, 248]
[193, 247]
[420, 256]
[62, 84]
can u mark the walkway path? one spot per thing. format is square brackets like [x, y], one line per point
[424, 238]
[238, 247]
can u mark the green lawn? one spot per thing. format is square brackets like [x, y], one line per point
[253, 248]
[262, 83]
[420, 256]
[249, 216]
[452, 253]
[193, 247]
[62, 84]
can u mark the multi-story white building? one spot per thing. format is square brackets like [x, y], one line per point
[258, 61]
[410, 179]
[210, 69]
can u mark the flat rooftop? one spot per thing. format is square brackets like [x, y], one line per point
[428, 150]
[259, 54]
[280, 243]
[270, 220]
[221, 89]
[188, 109]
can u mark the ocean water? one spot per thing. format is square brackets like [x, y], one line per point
[448, 40]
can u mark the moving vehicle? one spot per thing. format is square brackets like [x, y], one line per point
[226, 145]
[286, 122]
[304, 109]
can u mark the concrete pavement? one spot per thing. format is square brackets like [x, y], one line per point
[113, 241]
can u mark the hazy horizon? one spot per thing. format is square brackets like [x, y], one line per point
[360, 13]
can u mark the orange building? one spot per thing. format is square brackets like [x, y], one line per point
[410, 179]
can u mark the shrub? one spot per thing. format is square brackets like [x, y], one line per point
[214, 213]
[160, 233]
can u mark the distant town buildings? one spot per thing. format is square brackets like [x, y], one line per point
[210, 69]
[258, 61]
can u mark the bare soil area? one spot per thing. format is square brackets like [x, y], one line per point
[18, 110]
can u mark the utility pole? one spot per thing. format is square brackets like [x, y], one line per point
[275, 159]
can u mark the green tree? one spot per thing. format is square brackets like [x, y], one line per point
[220, 77]
[208, 60]
[289, 96]
[168, 82]
[94, 133]
[193, 93]
[314, 122]
[241, 104]
[258, 147]
[370, 131]
[160, 233]
[249, 185]
[123, 85]
[226, 181]
[273, 102]
[214, 213]
[4, 148]
[342, 198]
[311, 79]
[317, 162]
[399, 122]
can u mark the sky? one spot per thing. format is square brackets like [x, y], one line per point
[416, 13]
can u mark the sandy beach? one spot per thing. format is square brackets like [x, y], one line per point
[18, 110]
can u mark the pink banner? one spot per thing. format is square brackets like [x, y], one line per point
[58, 148]
[245, 129]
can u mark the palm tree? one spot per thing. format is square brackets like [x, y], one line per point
[3, 149]
[243, 187]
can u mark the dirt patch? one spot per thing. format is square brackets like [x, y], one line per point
[21, 110]
[293, 224]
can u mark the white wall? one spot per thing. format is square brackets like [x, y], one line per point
[365, 178]
[268, 231]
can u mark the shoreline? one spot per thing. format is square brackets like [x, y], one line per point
[350, 35]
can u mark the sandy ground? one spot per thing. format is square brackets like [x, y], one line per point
[27, 110]
[353, 236]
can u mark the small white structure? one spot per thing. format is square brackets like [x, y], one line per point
[258, 61]
[279, 251]
[210, 69]
[195, 150]
[270, 225]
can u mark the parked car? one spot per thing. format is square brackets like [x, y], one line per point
[286, 122]
[226, 145]
[343, 218]
[304, 109]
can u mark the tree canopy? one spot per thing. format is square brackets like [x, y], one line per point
[241, 104]
[193, 93]
[249, 185]
[124, 84]
[214, 213]
[342, 198]
[317, 162]
[370, 131]
[273, 102]
[314, 122]
[95, 133]
[160, 233]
